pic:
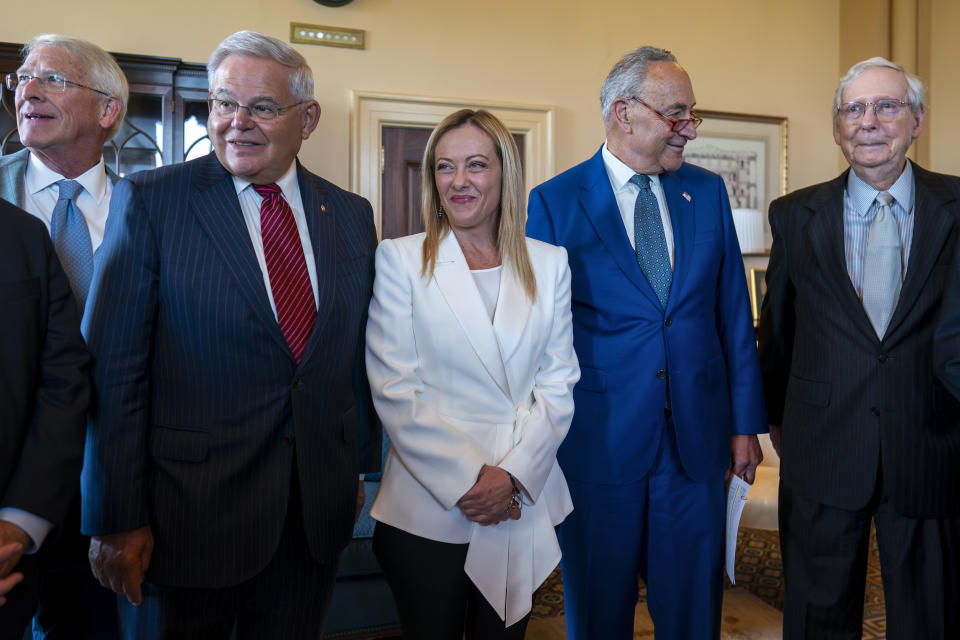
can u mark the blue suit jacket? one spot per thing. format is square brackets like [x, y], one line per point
[625, 341]
[200, 409]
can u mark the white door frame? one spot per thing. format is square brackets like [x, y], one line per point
[373, 110]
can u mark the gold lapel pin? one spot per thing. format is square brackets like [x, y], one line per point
[323, 207]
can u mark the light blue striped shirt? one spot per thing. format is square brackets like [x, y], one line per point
[859, 208]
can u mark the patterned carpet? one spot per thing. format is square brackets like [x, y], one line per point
[759, 569]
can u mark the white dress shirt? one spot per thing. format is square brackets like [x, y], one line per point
[250, 205]
[40, 195]
[626, 194]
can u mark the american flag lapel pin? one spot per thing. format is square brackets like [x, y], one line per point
[686, 196]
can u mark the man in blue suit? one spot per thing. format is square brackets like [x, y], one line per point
[669, 397]
[231, 412]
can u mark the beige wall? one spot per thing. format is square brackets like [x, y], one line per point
[943, 99]
[775, 58]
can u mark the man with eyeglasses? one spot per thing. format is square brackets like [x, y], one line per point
[669, 398]
[70, 97]
[232, 413]
[866, 432]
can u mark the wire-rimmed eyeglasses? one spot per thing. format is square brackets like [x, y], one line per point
[885, 110]
[49, 82]
[262, 111]
[676, 124]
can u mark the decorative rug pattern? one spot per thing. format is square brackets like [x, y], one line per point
[759, 569]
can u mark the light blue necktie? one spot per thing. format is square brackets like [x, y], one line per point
[650, 241]
[71, 239]
[882, 266]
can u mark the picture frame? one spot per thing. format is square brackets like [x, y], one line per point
[758, 289]
[750, 153]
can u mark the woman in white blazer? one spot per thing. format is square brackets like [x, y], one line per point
[470, 359]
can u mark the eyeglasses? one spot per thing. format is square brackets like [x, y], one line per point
[676, 125]
[885, 110]
[261, 112]
[50, 82]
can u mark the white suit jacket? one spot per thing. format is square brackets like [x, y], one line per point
[455, 392]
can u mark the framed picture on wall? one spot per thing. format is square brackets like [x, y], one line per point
[750, 153]
[758, 289]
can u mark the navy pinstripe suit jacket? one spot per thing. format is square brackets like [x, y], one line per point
[848, 401]
[200, 409]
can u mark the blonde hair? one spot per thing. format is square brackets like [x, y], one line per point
[511, 236]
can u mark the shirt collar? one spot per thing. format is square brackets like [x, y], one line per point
[620, 174]
[39, 177]
[862, 195]
[287, 182]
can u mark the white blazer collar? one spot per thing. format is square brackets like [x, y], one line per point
[459, 290]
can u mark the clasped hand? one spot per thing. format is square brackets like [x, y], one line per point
[490, 499]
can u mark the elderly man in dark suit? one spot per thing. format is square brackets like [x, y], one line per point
[44, 392]
[865, 430]
[70, 97]
[232, 413]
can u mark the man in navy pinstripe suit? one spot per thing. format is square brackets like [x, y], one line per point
[854, 288]
[232, 413]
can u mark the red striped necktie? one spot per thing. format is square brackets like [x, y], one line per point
[287, 268]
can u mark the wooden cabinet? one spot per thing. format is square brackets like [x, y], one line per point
[166, 117]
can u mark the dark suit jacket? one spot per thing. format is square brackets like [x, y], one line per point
[848, 401]
[200, 409]
[44, 372]
[627, 345]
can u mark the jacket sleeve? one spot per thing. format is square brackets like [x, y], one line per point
[546, 425]
[776, 327]
[119, 325]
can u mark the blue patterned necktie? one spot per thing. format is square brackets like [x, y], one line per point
[650, 241]
[71, 239]
[882, 266]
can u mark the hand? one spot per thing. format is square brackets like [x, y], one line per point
[775, 432]
[488, 499]
[9, 553]
[745, 455]
[120, 560]
[361, 499]
[14, 541]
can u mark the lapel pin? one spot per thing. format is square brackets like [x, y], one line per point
[686, 196]
[323, 207]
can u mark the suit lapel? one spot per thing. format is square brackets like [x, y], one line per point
[684, 222]
[460, 292]
[217, 208]
[931, 229]
[321, 221]
[825, 229]
[600, 207]
[513, 311]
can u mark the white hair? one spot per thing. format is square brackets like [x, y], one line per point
[258, 45]
[628, 75]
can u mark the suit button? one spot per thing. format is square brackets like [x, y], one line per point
[287, 441]
[668, 321]
[662, 374]
[882, 358]
[875, 411]
[297, 382]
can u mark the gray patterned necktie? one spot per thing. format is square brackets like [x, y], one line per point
[649, 240]
[71, 239]
[882, 266]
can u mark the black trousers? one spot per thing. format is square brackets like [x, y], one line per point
[288, 600]
[825, 562]
[435, 598]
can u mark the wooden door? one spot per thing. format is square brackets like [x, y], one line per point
[400, 190]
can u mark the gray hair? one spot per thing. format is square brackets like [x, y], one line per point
[915, 91]
[101, 70]
[628, 75]
[258, 45]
